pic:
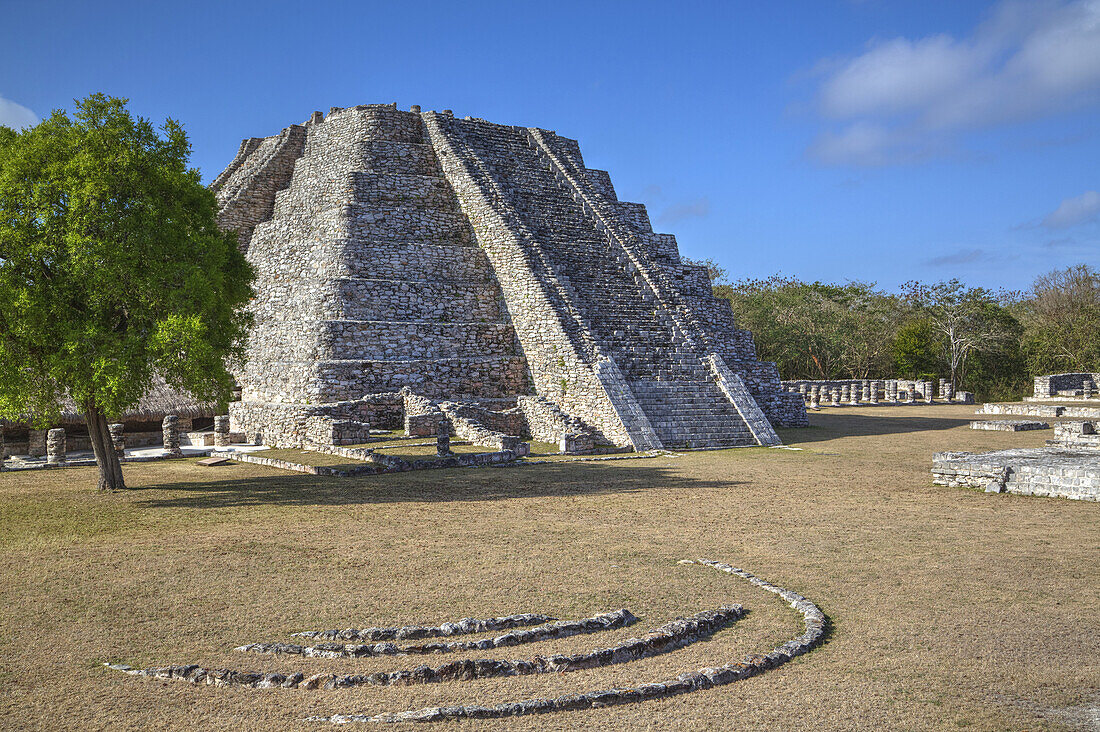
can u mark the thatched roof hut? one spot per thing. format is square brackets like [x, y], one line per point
[160, 401]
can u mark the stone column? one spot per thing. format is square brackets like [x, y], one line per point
[442, 441]
[910, 392]
[170, 429]
[221, 430]
[928, 392]
[866, 390]
[36, 443]
[815, 397]
[855, 393]
[874, 392]
[948, 392]
[118, 438]
[845, 393]
[55, 446]
[834, 397]
[803, 389]
[2, 453]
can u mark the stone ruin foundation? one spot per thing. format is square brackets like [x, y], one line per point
[483, 266]
[872, 392]
[1075, 386]
[361, 642]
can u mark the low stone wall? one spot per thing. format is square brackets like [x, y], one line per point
[1076, 435]
[377, 462]
[301, 425]
[1008, 425]
[1044, 471]
[546, 422]
[1040, 410]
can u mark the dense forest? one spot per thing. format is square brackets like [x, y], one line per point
[990, 343]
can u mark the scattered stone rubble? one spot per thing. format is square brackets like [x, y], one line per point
[669, 637]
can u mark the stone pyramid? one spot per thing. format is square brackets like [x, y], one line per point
[479, 263]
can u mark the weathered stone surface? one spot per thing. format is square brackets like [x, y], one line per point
[1045, 471]
[171, 432]
[473, 261]
[55, 446]
[1008, 425]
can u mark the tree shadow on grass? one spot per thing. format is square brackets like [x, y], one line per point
[830, 426]
[444, 486]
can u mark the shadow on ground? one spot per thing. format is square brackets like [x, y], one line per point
[459, 484]
[829, 425]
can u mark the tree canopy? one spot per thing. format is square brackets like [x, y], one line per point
[112, 270]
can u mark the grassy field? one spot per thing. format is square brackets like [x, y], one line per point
[949, 608]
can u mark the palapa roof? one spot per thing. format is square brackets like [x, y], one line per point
[159, 401]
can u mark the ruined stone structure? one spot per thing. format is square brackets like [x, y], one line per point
[475, 263]
[1063, 386]
[891, 391]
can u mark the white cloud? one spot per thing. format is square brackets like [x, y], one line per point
[16, 115]
[1073, 211]
[903, 97]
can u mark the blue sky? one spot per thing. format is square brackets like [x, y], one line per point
[868, 140]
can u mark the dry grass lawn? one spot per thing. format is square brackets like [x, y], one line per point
[949, 608]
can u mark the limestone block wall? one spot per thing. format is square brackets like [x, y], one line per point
[1053, 385]
[367, 277]
[467, 261]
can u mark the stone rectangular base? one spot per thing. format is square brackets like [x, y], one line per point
[1041, 471]
[1008, 425]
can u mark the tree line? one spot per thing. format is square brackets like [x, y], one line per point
[989, 342]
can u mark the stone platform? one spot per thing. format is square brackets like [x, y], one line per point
[1042, 471]
[1008, 425]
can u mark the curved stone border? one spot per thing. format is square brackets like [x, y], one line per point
[466, 626]
[704, 678]
[668, 637]
[558, 629]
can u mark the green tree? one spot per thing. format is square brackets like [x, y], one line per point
[817, 330]
[967, 320]
[112, 271]
[917, 349]
[1062, 321]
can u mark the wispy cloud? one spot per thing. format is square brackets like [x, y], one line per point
[694, 209]
[1074, 211]
[16, 115]
[903, 99]
[963, 256]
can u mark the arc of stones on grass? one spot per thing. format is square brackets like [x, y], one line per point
[668, 637]
[559, 629]
[466, 626]
[704, 678]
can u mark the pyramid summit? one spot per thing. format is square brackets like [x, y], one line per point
[406, 260]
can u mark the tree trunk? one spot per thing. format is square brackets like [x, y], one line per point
[106, 459]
